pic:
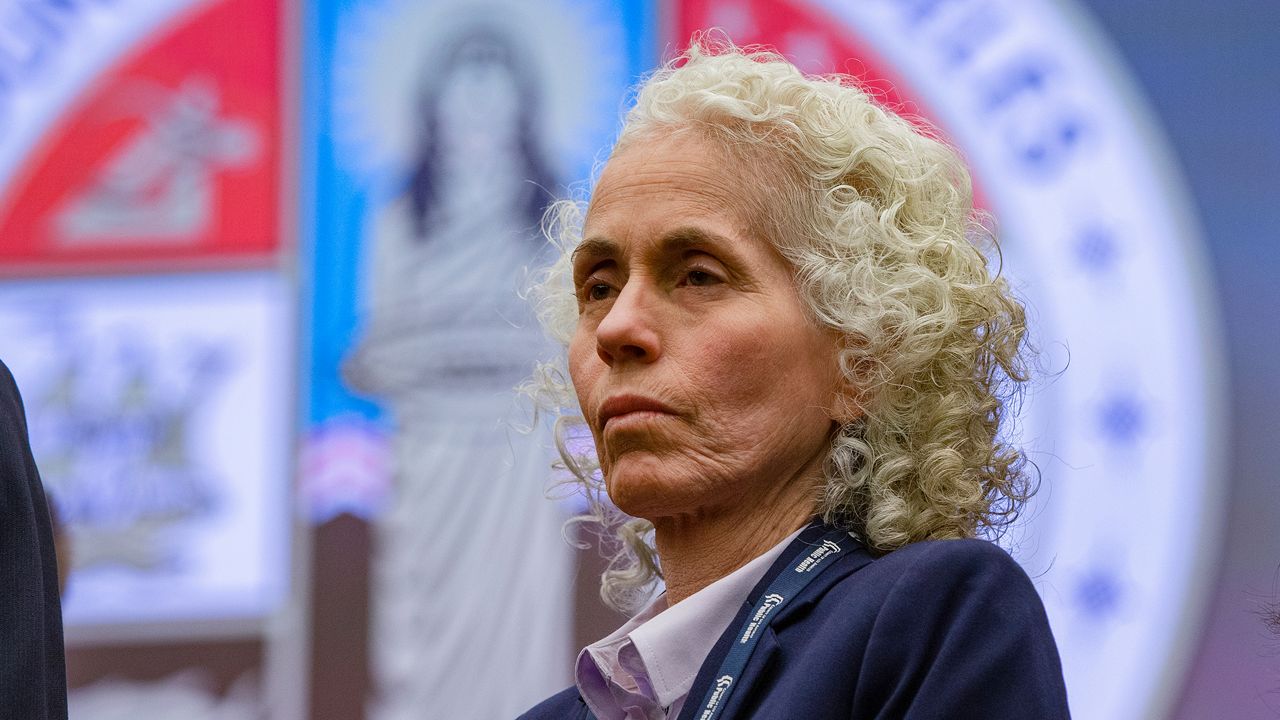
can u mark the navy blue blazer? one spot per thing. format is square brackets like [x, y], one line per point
[33, 678]
[948, 629]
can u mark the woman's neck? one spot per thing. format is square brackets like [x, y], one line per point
[697, 550]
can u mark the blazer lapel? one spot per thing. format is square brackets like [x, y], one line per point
[761, 660]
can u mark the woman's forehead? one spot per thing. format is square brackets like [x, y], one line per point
[672, 179]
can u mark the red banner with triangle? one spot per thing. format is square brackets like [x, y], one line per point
[170, 159]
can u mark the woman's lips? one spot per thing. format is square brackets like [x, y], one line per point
[629, 409]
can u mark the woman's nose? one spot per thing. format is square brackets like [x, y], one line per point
[631, 330]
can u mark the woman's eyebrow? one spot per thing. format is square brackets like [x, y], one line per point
[595, 247]
[691, 238]
[674, 242]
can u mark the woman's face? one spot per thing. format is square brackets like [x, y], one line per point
[704, 381]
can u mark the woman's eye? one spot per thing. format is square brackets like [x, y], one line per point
[700, 278]
[598, 291]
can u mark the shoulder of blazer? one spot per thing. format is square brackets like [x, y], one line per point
[33, 682]
[859, 584]
[934, 567]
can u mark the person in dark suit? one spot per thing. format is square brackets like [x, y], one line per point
[33, 679]
[786, 339]
[938, 629]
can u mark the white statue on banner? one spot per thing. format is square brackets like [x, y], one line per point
[471, 578]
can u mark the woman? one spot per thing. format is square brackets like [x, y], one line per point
[794, 361]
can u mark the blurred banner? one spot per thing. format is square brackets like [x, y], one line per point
[148, 315]
[156, 307]
[445, 128]
[156, 411]
[165, 155]
[159, 403]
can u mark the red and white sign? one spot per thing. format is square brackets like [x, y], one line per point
[170, 159]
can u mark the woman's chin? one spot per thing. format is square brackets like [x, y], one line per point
[646, 489]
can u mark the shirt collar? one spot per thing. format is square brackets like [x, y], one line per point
[655, 656]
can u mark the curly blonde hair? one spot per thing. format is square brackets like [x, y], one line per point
[876, 217]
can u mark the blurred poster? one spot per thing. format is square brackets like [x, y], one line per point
[444, 130]
[158, 415]
[140, 134]
[1095, 234]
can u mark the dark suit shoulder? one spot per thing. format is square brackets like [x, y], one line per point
[32, 670]
[944, 554]
[564, 705]
[937, 566]
[6, 377]
[955, 623]
[939, 588]
[934, 581]
[11, 410]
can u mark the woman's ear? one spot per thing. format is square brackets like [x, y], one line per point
[845, 409]
[846, 405]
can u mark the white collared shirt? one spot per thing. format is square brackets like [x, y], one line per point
[645, 669]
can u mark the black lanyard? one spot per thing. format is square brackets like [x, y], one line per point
[781, 591]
